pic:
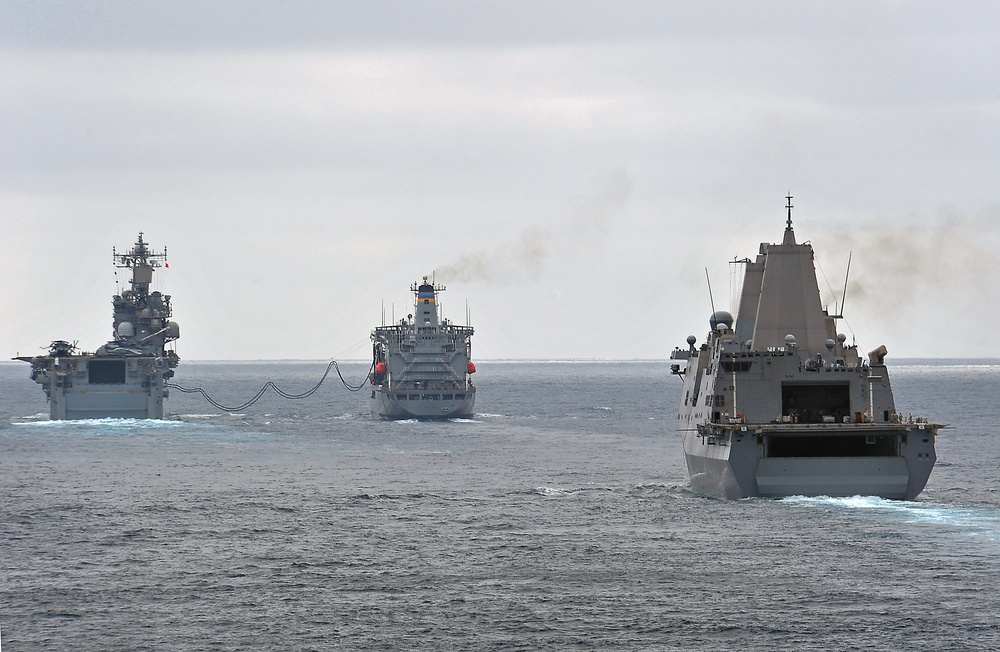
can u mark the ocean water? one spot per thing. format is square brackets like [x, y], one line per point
[560, 517]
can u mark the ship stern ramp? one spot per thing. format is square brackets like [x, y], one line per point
[887, 477]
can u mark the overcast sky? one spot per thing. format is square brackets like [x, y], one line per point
[567, 169]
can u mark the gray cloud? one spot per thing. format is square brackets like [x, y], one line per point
[145, 25]
[304, 159]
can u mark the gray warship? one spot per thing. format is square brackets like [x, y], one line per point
[125, 377]
[777, 404]
[422, 366]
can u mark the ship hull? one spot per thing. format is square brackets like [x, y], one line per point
[102, 387]
[776, 403]
[734, 463]
[129, 402]
[423, 405]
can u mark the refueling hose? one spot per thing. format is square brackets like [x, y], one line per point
[277, 390]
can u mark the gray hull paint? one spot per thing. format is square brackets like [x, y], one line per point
[739, 470]
[422, 367]
[141, 396]
[125, 377]
[386, 405]
[776, 403]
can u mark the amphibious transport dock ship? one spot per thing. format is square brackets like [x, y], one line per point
[779, 405]
[125, 377]
[422, 365]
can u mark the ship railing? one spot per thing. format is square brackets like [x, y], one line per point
[819, 429]
[433, 367]
[426, 386]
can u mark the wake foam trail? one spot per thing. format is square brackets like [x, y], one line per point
[978, 521]
[106, 424]
[559, 492]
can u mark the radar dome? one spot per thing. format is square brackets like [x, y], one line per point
[721, 317]
[790, 339]
[173, 330]
[126, 329]
[830, 344]
[691, 340]
[841, 338]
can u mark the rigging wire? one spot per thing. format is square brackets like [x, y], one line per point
[277, 390]
[834, 293]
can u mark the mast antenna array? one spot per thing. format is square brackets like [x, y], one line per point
[843, 300]
[710, 298]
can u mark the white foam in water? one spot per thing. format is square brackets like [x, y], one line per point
[110, 426]
[105, 424]
[984, 522]
[552, 491]
[856, 502]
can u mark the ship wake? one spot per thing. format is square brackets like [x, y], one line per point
[973, 521]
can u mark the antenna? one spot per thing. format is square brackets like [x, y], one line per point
[844, 299]
[710, 298]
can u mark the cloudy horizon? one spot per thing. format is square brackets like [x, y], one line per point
[567, 169]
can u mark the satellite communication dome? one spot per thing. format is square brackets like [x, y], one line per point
[721, 317]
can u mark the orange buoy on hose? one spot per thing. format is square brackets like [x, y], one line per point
[380, 368]
[472, 367]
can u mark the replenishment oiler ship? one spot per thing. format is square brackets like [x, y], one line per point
[777, 404]
[422, 366]
[125, 377]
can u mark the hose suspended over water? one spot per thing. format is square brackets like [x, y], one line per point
[277, 390]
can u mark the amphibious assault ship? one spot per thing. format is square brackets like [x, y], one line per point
[777, 404]
[125, 377]
[422, 366]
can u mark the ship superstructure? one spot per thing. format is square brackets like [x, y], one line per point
[125, 377]
[422, 365]
[776, 403]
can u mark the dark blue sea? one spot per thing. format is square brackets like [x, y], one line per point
[559, 518]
